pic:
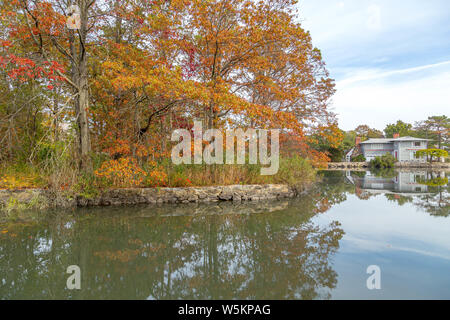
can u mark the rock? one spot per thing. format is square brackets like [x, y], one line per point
[134, 196]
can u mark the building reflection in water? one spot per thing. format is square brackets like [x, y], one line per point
[412, 183]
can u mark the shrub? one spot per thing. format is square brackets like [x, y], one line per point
[359, 158]
[87, 186]
[124, 173]
[386, 161]
[156, 178]
[296, 172]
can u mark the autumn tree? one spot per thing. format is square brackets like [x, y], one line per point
[258, 66]
[366, 132]
[231, 63]
[38, 29]
[140, 91]
[132, 71]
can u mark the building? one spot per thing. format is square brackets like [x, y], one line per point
[403, 149]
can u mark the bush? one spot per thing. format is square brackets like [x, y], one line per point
[359, 158]
[122, 173]
[296, 172]
[386, 161]
[156, 178]
[87, 186]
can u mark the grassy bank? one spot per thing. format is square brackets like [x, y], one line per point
[125, 173]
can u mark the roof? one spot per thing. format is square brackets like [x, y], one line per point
[391, 140]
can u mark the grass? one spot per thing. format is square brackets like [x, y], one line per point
[296, 172]
[20, 177]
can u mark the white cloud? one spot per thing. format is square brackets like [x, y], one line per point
[377, 74]
[390, 59]
[378, 98]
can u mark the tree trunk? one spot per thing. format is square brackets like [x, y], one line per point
[82, 107]
[80, 79]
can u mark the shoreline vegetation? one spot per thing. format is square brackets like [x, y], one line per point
[126, 173]
[29, 189]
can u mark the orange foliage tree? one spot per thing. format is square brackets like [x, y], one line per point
[138, 69]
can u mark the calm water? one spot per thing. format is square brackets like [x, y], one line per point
[315, 247]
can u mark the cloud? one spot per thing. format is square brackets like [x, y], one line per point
[376, 74]
[378, 98]
[390, 59]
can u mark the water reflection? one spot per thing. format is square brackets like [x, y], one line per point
[182, 252]
[428, 190]
[397, 181]
[268, 250]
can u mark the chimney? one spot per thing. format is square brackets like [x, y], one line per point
[358, 141]
[396, 135]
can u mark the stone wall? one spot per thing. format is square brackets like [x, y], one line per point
[188, 195]
[423, 165]
[348, 165]
[399, 165]
[43, 199]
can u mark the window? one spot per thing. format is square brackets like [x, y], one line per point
[417, 144]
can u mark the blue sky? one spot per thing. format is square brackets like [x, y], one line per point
[390, 58]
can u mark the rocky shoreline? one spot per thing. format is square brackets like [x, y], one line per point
[43, 199]
[398, 165]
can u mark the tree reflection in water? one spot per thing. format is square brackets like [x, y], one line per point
[224, 251]
[268, 250]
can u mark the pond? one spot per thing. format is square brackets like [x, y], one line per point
[318, 246]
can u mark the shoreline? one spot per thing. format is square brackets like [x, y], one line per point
[44, 199]
[41, 199]
[397, 166]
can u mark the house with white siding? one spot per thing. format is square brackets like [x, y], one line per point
[403, 149]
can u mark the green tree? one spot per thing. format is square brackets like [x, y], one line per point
[349, 140]
[402, 128]
[440, 126]
[432, 154]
